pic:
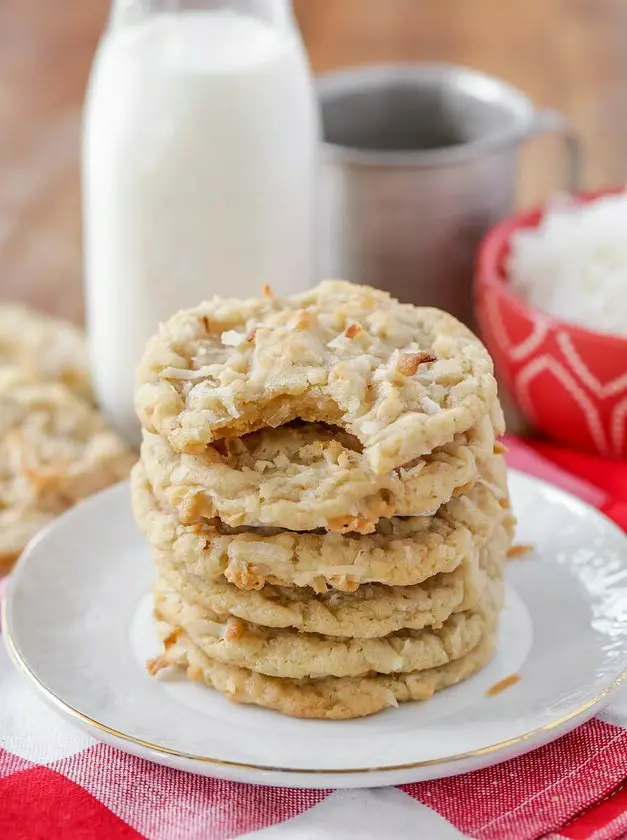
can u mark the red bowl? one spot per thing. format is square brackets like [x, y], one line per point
[568, 382]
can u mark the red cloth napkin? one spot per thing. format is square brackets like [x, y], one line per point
[58, 784]
[608, 477]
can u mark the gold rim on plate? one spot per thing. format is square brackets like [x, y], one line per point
[55, 700]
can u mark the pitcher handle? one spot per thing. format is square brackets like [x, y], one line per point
[545, 121]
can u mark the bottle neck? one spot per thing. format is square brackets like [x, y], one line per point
[127, 12]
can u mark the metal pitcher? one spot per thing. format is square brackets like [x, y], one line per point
[420, 160]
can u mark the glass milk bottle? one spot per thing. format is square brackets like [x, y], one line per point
[199, 167]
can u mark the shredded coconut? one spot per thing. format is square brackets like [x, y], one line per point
[574, 264]
[232, 338]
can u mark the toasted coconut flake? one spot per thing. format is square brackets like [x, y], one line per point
[519, 550]
[352, 330]
[408, 363]
[242, 576]
[300, 320]
[464, 488]
[501, 685]
[352, 524]
[345, 583]
[159, 663]
[234, 630]
[172, 638]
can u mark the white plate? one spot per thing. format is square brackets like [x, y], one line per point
[77, 624]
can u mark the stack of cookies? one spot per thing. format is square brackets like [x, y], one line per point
[326, 500]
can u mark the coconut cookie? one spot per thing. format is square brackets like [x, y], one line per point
[402, 551]
[44, 347]
[295, 655]
[55, 449]
[332, 698]
[401, 379]
[304, 476]
[373, 610]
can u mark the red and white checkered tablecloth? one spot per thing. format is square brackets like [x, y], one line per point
[57, 783]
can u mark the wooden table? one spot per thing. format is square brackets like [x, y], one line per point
[569, 54]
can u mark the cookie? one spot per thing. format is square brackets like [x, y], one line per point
[331, 698]
[402, 551]
[44, 347]
[304, 476]
[55, 449]
[373, 610]
[295, 655]
[401, 379]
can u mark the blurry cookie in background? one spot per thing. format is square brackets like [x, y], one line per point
[45, 347]
[55, 449]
